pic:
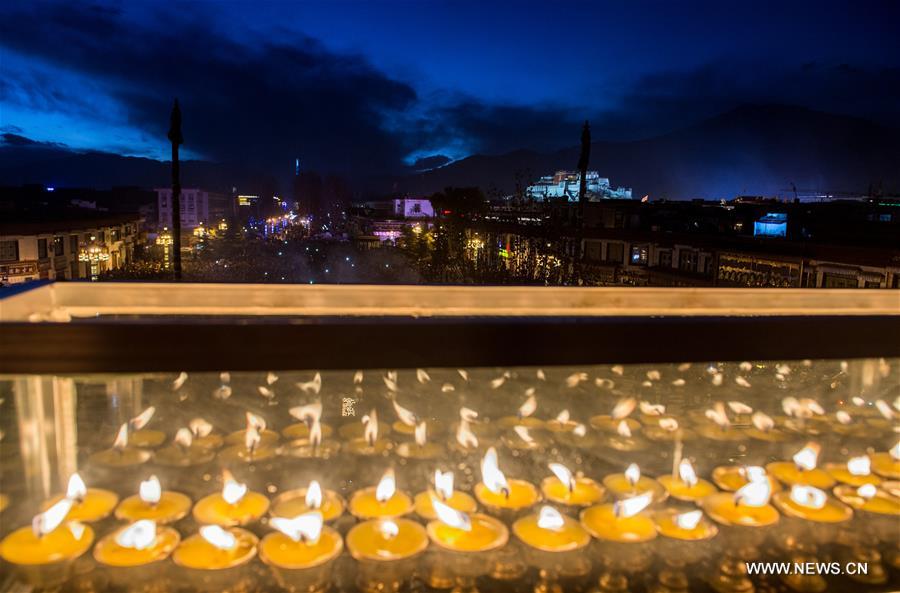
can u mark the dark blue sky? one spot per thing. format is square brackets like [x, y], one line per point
[375, 85]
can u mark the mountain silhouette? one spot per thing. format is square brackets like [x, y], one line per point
[750, 150]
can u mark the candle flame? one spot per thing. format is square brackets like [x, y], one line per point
[225, 377]
[754, 493]
[633, 474]
[315, 433]
[860, 466]
[858, 401]
[623, 408]
[843, 417]
[450, 516]
[141, 420]
[140, 535]
[443, 484]
[652, 409]
[370, 427]
[754, 473]
[76, 528]
[406, 416]
[254, 421]
[45, 522]
[150, 491]
[498, 382]
[549, 518]
[528, 408]
[563, 417]
[688, 520]
[807, 457]
[422, 376]
[218, 537]
[314, 495]
[121, 438]
[358, 378]
[251, 438]
[740, 407]
[390, 381]
[266, 392]
[468, 414]
[679, 382]
[623, 430]
[630, 507]
[762, 421]
[308, 413]
[867, 491]
[618, 369]
[717, 414]
[808, 496]
[76, 489]
[183, 437]
[306, 527]
[421, 434]
[233, 491]
[271, 378]
[580, 430]
[179, 381]
[743, 382]
[540, 375]
[604, 383]
[895, 451]
[491, 476]
[200, 427]
[885, 409]
[314, 386]
[522, 432]
[389, 529]
[669, 424]
[463, 373]
[387, 486]
[447, 388]
[464, 435]
[575, 379]
[686, 472]
[564, 475]
[654, 375]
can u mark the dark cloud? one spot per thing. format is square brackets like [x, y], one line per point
[19, 141]
[431, 162]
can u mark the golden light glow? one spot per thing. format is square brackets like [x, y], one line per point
[623, 408]
[528, 408]
[762, 422]
[218, 537]
[387, 486]
[669, 424]
[564, 475]
[140, 535]
[314, 495]
[76, 489]
[420, 434]
[622, 429]
[808, 496]
[406, 416]
[306, 527]
[522, 432]
[200, 427]
[688, 520]
[121, 437]
[233, 491]
[549, 518]
[184, 437]
[150, 491]
[491, 476]
[563, 417]
[807, 457]
[630, 507]
[141, 420]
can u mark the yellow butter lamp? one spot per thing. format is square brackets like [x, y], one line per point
[686, 486]
[420, 448]
[764, 429]
[868, 498]
[153, 503]
[684, 525]
[369, 444]
[383, 500]
[255, 443]
[458, 531]
[466, 439]
[182, 452]
[562, 423]
[887, 463]
[631, 483]
[622, 521]
[733, 477]
[44, 551]
[204, 434]
[550, 531]
[216, 548]
[856, 472]
[300, 543]
[524, 415]
[719, 427]
[386, 539]
[235, 505]
[802, 469]
[612, 422]
[563, 487]
[747, 507]
[120, 455]
[406, 421]
[812, 504]
[312, 498]
[88, 504]
[443, 491]
[497, 492]
[144, 437]
[136, 544]
[308, 415]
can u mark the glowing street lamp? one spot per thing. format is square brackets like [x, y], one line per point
[93, 253]
[200, 231]
[165, 240]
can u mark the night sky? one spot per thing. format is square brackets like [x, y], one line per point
[375, 86]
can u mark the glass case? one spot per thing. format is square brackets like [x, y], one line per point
[205, 438]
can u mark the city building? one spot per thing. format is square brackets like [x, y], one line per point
[383, 221]
[565, 185]
[197, 206]
[413, 208]
[81, 245]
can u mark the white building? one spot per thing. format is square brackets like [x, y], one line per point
[197, 206]
[413, 208]
[565, 184]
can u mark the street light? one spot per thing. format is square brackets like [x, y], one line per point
[93, 253]
[165, 239]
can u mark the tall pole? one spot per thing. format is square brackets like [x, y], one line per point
[176, 139]
[583, 160]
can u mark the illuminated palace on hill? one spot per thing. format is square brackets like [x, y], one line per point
[564, 184]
